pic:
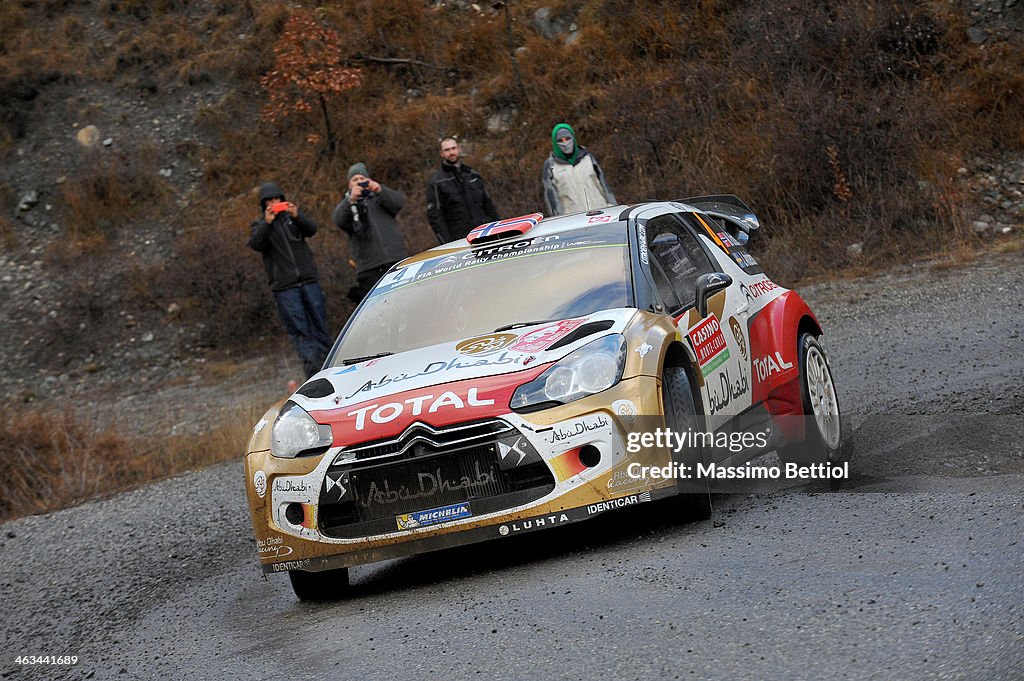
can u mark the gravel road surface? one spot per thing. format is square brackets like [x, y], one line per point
[915, 570]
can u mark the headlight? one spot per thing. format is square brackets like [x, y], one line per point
[295, 432]
[595, 367]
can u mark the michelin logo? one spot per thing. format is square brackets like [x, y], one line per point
[433, 516]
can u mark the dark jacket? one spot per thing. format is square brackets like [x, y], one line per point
[457, 202]
[374, 240]
[286, 256]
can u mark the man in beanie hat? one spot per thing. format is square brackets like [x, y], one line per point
[573, 180]
[280, 235]
[456, 199]
[367, 214]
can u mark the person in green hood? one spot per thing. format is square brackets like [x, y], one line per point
[573, 179]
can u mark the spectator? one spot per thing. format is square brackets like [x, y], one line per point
[280, 235]
[456, 199]
[367, 214]
[573, 180]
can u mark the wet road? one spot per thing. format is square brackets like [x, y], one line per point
[914, 570]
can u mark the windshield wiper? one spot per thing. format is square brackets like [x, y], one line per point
[519, 324]
[357, 360]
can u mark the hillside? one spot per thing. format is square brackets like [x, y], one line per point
[133, 133]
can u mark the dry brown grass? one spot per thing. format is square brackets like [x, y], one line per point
[97, 202]
[838, 122]
[52, 459]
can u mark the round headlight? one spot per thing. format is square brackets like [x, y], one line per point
[589, 369]
[558, 385]
[295, 431]
[597, 372]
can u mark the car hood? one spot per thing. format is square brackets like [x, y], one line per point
[446, 383]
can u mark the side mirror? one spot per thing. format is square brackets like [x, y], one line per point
[708, 285]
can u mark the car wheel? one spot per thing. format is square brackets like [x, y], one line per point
[694, 499]
[328, 585]
[823, 434]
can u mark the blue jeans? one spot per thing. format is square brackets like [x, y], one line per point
[304, 313]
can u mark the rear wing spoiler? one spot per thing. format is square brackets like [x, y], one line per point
[726, 207]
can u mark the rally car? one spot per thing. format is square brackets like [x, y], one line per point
[523, 378]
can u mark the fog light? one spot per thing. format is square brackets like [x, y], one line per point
[294, 513]
[590, 456]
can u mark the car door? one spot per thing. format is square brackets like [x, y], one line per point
[677, 258]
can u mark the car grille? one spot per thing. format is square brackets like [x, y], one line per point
[428, 468]
[428, 437]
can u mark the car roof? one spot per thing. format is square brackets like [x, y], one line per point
[557, 224]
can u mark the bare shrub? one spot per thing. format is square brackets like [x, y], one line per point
[838, 122]
[97, 202]
[49, 460]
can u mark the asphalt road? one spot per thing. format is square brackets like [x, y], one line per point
[915, 570]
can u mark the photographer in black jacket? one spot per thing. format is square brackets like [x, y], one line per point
[280, 235]
[367, 214]
[456, 199]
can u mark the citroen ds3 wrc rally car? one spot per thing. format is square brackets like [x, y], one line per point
[505, 383]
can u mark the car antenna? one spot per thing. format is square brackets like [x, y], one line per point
[515, 153]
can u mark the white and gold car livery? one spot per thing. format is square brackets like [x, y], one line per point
[493, 386]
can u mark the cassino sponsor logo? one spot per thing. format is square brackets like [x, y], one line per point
[705, 331]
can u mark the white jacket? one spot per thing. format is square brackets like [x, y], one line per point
[575, 187]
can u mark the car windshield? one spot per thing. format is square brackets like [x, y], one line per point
[468, 293]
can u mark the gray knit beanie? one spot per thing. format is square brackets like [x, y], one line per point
[358, 169]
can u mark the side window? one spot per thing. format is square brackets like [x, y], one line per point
[733, 243]
[661, 280]
[679, 257]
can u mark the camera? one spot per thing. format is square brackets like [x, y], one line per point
[365, 192]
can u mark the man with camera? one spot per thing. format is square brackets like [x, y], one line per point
[456, 199]
[367, 214]
[280, 234]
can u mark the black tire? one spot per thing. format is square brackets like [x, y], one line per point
[328, 585]
[693, 502]
[823, 432]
